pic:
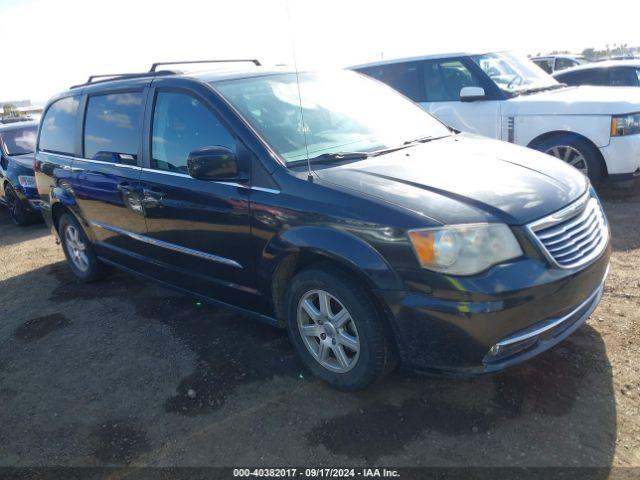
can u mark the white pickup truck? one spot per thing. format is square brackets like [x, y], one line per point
[505, 96]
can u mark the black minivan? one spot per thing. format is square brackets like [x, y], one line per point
[328, 204]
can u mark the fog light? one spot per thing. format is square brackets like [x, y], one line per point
[494, 350]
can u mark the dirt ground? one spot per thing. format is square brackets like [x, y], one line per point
[127, 372]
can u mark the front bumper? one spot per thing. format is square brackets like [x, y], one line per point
[541, 336]
[533, 307]
[622, 156]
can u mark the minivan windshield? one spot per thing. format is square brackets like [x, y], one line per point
[330, 113]
[515, 73]
[20, 141]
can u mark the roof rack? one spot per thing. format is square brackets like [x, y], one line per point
[107, 77]
[236, 60]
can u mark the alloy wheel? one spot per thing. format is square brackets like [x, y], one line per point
[76, 248]
[328, 331]
[572, 156]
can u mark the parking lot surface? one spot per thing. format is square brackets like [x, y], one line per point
[127, 372]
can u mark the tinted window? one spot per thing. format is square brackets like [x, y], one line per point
[59, 126]
[19, 141]
[404, 77]
[545, 63]
[444, 79]
[182, 124]
[112, 127]
[562, 63]
[623, 77]
[594, 76]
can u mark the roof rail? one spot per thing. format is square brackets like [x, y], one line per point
[107, 77]
[236, 60]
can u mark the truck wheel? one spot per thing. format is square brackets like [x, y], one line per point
[336, 329]
[79, 251]
[578, 153]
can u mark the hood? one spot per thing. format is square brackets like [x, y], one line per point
[465, 179]
[584, 100]
[25, 161]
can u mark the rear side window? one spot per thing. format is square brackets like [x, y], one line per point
[404, 77]
[112, 127]
[59, 126]
[545, 63]
[181, 124]
[563, 63]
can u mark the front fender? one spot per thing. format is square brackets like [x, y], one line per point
[335, 244]
[596, 128]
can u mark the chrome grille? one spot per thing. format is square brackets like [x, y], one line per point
[575, 235]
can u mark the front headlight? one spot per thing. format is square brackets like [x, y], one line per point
[627, 124]
[464, 249]
[27, 181]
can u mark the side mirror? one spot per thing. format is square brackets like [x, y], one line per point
[213, 163]
[471, 94]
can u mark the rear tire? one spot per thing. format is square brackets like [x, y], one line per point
[18, 213]
[79, 250]
[577, 152]
[345, 340]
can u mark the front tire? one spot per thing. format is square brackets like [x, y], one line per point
[578, 153]
[79, 251]
[336, 329]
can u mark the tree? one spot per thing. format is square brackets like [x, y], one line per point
[9, 110]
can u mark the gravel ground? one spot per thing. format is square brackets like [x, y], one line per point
[125, 372]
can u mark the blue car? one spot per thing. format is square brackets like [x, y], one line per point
[17, 183]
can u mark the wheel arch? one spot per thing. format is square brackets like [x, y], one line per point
[540, 139]
[302, 247]
[58, 209]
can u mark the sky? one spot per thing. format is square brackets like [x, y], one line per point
[48, 45]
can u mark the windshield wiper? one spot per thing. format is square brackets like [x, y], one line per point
[426, 139]
[406, 144]
[332, 157]
[540, 89]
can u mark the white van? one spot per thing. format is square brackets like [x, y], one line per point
[505, 96]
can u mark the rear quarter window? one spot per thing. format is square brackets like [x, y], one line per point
[57, 132]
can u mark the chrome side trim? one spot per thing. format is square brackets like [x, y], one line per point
[593, 298]
[231, 184]
[165, 172]
[162, 172]
[112, 164]
[59, 155]
[266, 190]
[169, 246]
[89, 160]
